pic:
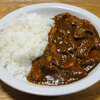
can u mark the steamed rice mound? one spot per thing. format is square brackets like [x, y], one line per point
[21, 41]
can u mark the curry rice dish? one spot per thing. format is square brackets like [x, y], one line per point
[46, 51]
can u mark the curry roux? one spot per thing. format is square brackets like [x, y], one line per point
[73, 50]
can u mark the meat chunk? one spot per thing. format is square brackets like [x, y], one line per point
[79, 33]
[36, 72]
[77, 72]
[83, 30]
[83, 48]
[96, 41]
[72, 45]
[69, 63]
[94, 57]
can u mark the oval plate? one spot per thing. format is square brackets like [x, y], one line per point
[49, 10]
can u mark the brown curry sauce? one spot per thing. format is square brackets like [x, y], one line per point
[73, 50]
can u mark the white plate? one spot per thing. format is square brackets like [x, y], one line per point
[52, 9]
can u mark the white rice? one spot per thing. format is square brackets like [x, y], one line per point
[21, 41]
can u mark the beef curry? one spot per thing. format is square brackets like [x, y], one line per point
[73, 50]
